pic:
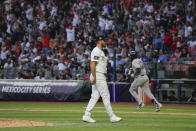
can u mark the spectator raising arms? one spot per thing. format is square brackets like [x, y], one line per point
[64, 30]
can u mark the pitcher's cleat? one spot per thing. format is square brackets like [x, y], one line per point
[88, 119]
[115, 119]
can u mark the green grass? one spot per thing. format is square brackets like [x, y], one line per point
[67, 117]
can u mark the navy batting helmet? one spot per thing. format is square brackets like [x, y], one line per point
[132, 54]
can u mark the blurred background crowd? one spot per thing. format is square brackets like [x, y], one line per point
[53, 39]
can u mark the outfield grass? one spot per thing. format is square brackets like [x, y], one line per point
[67, 117]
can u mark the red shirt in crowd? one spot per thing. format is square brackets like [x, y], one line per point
[45, 41]
[39, 12]
[39, 47]
[17, 50]
[174, 30]
[167, 39]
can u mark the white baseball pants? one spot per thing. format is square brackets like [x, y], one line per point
[99, 89]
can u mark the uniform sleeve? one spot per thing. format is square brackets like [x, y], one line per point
[138, 64]
[95, 55]
[135, 65]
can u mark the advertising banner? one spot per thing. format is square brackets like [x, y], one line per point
[58, 90]
[37, 90]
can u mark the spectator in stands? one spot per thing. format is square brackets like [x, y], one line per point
[168, 41]
[45, 42]
[158, 41]
[123, 78]
[185, 53]
[192, 43]
[162, 57]
[177, 53]
[183, 96]
[70, 33]
[40, 76]
[188, 29]
[29, 29]
[119, 61]
[8, 64]
[177, 43]
[144, 57]
[78, 77]
[171, 96]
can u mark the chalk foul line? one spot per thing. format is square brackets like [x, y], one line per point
[79, 111]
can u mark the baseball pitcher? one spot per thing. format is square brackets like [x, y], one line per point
[99, 85]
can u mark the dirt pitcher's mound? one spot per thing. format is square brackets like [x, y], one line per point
[21, 123]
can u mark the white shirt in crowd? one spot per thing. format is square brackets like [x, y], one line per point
[70, 34]
[61, 66]
[109, 24]
[188, 30]
[8, 4]
[29, 14]
[145, 21]
[166, 9]
[42, 6]
[80, 57]
[36, 58]
[75, 20]
[189, 19]
[173, 8]
[99, 56]
[149, 8]
[135, 9]
[42, 25]
[102, 22]
[192, 43]
[39, 78]
[8, 65]
[8, 29]
[22, 56]
[9, 17]
[3, 54]
[110, 51]
[1, 39]
[105, 10]
[81, 5]
[53, 12]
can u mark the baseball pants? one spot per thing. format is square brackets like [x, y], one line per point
[99, 89]
[143, 83]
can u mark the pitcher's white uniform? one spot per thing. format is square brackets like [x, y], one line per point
[100, 88]
[141, 80]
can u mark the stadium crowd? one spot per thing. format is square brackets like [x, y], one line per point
[52, 39]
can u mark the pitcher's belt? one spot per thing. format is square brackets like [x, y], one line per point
[102, 73]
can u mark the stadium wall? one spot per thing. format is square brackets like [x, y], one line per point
[57, 90]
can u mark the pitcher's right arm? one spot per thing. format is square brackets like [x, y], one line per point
[93, 71]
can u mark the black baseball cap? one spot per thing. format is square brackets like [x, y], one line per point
[100, 38]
